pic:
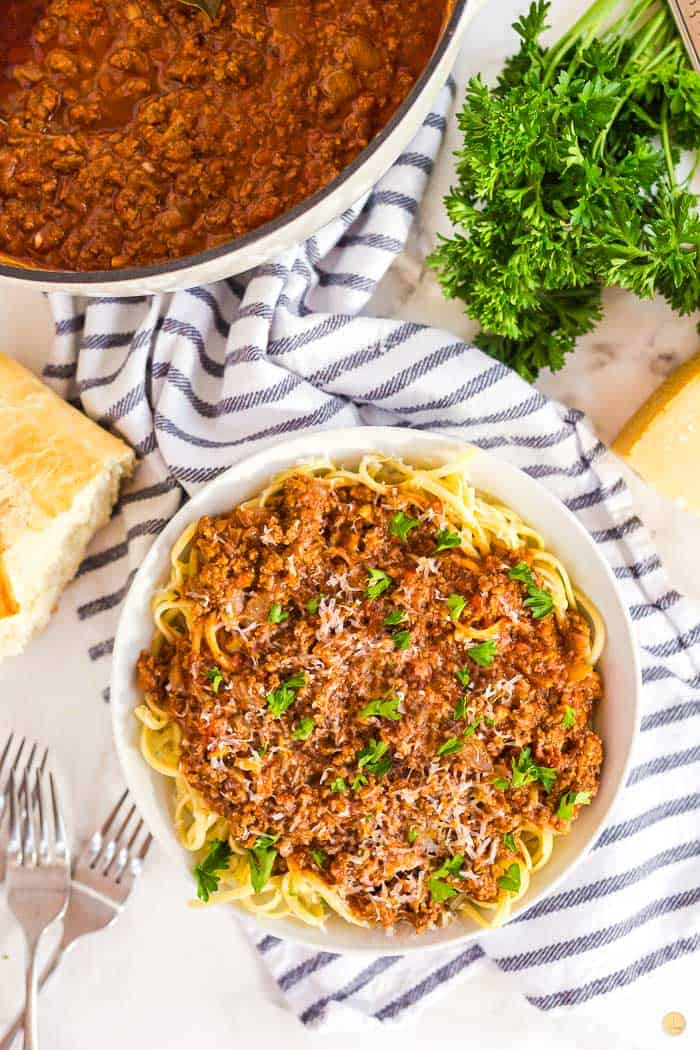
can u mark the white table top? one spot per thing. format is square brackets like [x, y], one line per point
[169, 977]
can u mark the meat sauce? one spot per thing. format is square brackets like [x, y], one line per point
[308, 553]
[138, 131]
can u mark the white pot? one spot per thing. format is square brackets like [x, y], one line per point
[289, 229]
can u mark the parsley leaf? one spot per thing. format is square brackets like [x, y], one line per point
[526, 771]
[412, 835]
[313, 603]
[540, 602]
[377, 582]
[450, 747]
[472, 728]
[440, 890]
[464, 676]
[395, 617]
[521, 572]
[510, 880]
[338, 784]
[261, 860]
[447, 539]
[277, 614]
[284, 696]
[509, 842]
[358, 781]
[305, 728]
[374, 758]
[320, 857]
[455, 605]
[209, 871]
[571, 799]
[460, 710]
[569, 718]
[388, 707]
[215, 678]
[402, 639]
[483, 654]
[401, 525]
[501, 784]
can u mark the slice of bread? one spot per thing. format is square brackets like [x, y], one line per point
[662, 440]
[59, 479]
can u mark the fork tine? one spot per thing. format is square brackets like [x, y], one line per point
[146, 846]
[14, 845]
[38, 796]
[114, 848]
[59, 831]
[29, 837]
[110, 819]
[6, 750]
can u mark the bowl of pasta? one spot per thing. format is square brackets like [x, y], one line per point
[376, 689]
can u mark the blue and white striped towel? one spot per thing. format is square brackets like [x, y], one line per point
[198, 380]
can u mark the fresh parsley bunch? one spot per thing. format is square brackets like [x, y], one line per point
[567, 182]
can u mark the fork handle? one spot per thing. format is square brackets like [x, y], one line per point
[31, 1027]
[10, 1035]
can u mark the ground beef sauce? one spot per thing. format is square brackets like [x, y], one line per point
[138, 131]
[314, 544]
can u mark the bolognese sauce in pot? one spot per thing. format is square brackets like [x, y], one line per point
[134, 132]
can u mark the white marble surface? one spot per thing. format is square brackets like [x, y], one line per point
[168, 977]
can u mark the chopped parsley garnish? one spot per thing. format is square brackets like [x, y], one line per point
[261, 860]
[402, 639]
[521, 572]
[460, 710]
[525, 771]
[378, 581]
[569, 717]
[483, 654]
[412, 835]
[440, 890]
[401, 525]
[571, 799]
[284, 696]
[305, 728]
[509, 842]
[209, 871]
[338, 784]
[388, 707]
[501, 784]
[215, 678]
[313, 603]
[455, 605]
[490, 721]
[539, 602]
[374, 758]
[447, 539]
[450, 747]
[395, 617]
[510, 880]
[277, 614]
[358, 781]
[463, 676]
[320, 857]
[472, 728]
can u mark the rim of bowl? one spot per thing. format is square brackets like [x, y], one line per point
[292, 930]
[134, 273]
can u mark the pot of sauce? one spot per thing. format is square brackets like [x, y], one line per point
[184, 159]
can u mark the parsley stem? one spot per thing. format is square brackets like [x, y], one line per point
[670, 167]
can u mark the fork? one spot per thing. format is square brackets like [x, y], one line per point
[38, 873]
[104, 875]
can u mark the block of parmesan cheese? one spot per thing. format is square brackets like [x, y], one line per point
[661, 442]
[59, 479]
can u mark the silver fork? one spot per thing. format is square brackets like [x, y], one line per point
[104, 875]
[38, 874]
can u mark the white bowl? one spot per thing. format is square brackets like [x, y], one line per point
[616, 720]
[289, 229]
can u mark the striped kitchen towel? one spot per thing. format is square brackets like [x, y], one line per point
[199, 379]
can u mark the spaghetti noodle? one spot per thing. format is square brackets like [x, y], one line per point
[372, 689]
